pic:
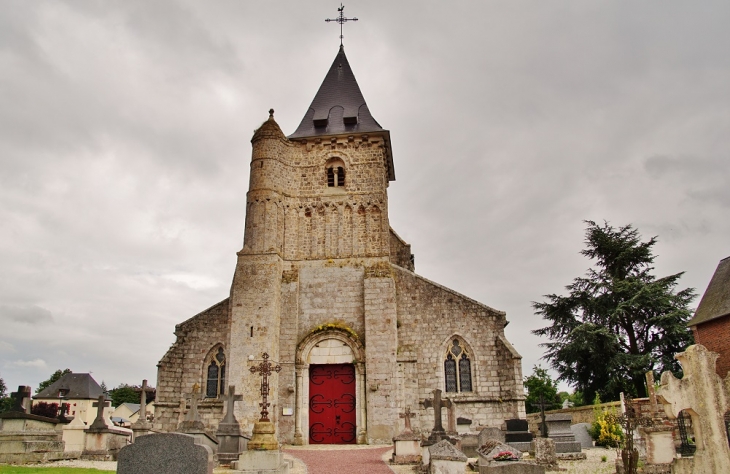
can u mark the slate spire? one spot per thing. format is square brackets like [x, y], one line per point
[339, 106]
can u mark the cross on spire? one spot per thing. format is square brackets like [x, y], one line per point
[265, 368]
[341, 19]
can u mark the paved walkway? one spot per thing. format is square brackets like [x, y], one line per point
[333, 459]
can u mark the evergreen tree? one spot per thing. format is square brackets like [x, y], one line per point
[617, 322]
[6, 403]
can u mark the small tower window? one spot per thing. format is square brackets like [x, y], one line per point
[335, 174]
[216, 375]
[457, 368]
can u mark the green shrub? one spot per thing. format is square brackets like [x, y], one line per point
[604, 431]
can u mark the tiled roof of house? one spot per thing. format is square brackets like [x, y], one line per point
[715, 303]
[76, 386]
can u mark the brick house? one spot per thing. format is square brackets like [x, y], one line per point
[711, 322]
[327, 288]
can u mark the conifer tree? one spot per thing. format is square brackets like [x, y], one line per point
[618, 321]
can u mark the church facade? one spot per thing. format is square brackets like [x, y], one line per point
[327, 289]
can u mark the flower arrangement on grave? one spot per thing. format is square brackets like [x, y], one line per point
[505, 456]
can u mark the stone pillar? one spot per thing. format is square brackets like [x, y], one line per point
[380, 352]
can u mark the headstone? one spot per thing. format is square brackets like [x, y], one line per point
[100, 422]
[102, 441]
[580, 432]
[707, 398]
[444, 458]
[558, 425]
[437, 433]
[165, 453]
[194, 426]
[545, 453]
[518, 435]
[463, 425]
[21, 399]
[491, 433]
[231, 442]
[489, 465]
[406, 446]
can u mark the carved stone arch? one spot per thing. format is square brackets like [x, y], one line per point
[213, 360]
[320, 347]
[456, 353]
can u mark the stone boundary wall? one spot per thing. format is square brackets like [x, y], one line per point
[584, 414]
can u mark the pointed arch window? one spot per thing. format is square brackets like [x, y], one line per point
[457, 368]
[216, 375]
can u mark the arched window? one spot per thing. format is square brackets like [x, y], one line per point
[216, 383]
[457, 368]
[335, 173]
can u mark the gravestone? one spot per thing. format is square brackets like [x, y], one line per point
[706, 397]
[406, 446]
[545, 453]
[165, 453]
[444, 458]
[580, 432]
[437, 403]
[488, 465]
[194, 426]
[558, 425]
[518, 435]
[231, 442]
[26, 438]
[103, 441]
[142, 427]
[463, 425]
[491, 433]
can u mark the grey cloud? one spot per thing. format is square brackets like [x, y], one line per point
[26, 314]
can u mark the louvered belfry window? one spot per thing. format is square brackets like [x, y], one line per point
[335, 176]
[216, 383]
[457, 375]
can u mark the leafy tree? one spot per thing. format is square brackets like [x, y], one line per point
[6, 403]
[617, 322]
[103, 387]
[56, 375]
[575, 398]
[124, 393]
[540, 383]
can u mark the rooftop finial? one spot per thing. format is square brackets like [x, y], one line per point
[341, 19]
[271, 113]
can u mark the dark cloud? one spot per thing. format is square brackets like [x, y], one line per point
[124, 147]
[27, 314]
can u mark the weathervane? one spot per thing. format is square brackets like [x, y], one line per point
[265, 368]
[341, 19]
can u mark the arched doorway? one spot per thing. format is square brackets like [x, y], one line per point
[330, 406]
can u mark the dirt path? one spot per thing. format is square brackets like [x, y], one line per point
[360, 460]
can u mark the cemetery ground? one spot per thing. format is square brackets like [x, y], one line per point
[593, 464]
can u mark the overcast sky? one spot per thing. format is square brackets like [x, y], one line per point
[125, 134]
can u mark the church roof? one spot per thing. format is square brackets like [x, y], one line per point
[339, 106]
[75, 386]
[715, 303]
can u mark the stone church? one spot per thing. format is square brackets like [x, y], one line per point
[328, 289]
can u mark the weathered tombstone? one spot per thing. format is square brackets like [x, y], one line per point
[518, 435]
[231, 442]
[706, 397]
[444, 458]
[165, 453]
[26, 438]
[437, 403]
[566, 447]
[658, 438]
[491, 433]
[194, 426]
[406, 448]
[490, 463]
[463, 425]
[103, 441]
[545, 453]
[580, 432]
[142, 427]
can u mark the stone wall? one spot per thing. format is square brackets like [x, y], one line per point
[429, 318]
[184, 365]
[400, 252]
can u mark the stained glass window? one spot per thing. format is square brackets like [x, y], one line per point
[216, 375]
[457, 376]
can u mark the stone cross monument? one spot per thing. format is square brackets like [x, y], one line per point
[100, 421]
[437, 404]
[407, 418]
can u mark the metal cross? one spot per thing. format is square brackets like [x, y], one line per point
[265, 368]
[629, 421]
[341, 19]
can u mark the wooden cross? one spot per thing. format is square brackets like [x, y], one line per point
[407, 416]
[341, 20]
[265, 368]
[231, 399]
[192, 414]
[99, 421]
[437, 404]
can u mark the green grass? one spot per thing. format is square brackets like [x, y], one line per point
[47, 470]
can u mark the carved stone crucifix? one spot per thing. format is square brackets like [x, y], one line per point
[437, 404]
[407, 416]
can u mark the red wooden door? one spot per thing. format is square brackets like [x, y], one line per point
[332, 404]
